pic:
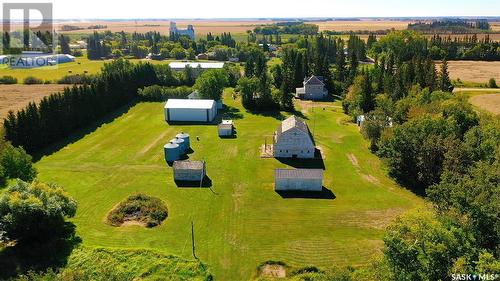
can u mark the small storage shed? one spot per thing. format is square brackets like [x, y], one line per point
[191, 171]
[298, 180]
[225, 128]
[190, 110]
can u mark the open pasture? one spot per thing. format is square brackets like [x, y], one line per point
[240, 221]
[53, 73]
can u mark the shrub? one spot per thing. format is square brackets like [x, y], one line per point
[141, 208]
[159, 93]
[30, 80]
[77, 79]
[492, 83]
[16, 163]
[8, 80]
[31, 212]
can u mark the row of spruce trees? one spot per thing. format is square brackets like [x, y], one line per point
[60, 114]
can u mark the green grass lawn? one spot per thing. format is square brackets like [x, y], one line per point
[240, 222]
[54, 73]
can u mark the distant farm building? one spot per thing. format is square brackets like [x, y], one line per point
[181, 32]
[298, 179]
[292, 139]
[197, 67]
[190, 110]
[202, 56]
[314, 89]
[189, 171]
[225, 128]
[360, 119]
[35, 59]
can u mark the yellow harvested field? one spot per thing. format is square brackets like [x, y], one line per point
[488, 102]
[495, 26]
[17, 96]
[200, 26]
[474, 71]
[371, 25]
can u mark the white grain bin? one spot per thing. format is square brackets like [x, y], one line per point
[180, 142]
[185, 137]
[172, 152]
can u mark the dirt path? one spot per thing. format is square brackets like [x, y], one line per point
[457, 90]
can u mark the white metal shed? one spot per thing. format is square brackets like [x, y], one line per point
[187, 110]
[298, 179]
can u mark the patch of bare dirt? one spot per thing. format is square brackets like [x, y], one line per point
[371, 179]
[132, 222]
[353, 159]
[273, 270]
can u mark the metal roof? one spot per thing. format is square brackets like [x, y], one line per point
[298, 174]
[189, 104]
[203, 65]
[189, 165]
[292, 122]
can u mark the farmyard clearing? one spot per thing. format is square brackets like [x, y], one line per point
[240, 221]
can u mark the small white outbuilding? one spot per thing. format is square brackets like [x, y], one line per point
[225, 128]
[298, 179]
[190, 110]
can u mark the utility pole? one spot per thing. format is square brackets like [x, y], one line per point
[192, 240]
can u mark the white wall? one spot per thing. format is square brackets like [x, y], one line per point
[298, 184]
[190, 115]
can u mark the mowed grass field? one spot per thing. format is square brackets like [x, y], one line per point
[484, 99]
[81, 65]
[240, 221]
[53, 73]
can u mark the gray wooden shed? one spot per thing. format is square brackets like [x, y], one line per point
[192, 171]
[298, 179]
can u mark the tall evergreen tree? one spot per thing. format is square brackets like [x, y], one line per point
[444, 78]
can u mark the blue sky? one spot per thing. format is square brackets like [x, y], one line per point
[107, 9]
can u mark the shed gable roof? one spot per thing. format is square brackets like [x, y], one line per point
[298, 173]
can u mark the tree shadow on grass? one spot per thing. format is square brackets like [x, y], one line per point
[232, 113]
[81, 132]
[325, 193]
[39, 256]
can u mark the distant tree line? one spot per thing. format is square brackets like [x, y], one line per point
[450, 25]
[287, 28]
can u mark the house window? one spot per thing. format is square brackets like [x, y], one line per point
[287, 151]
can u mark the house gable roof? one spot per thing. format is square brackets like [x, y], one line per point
[313, 80]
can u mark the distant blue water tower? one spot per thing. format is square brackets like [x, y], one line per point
[172, 152]
[185, 137]
[179, 142]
